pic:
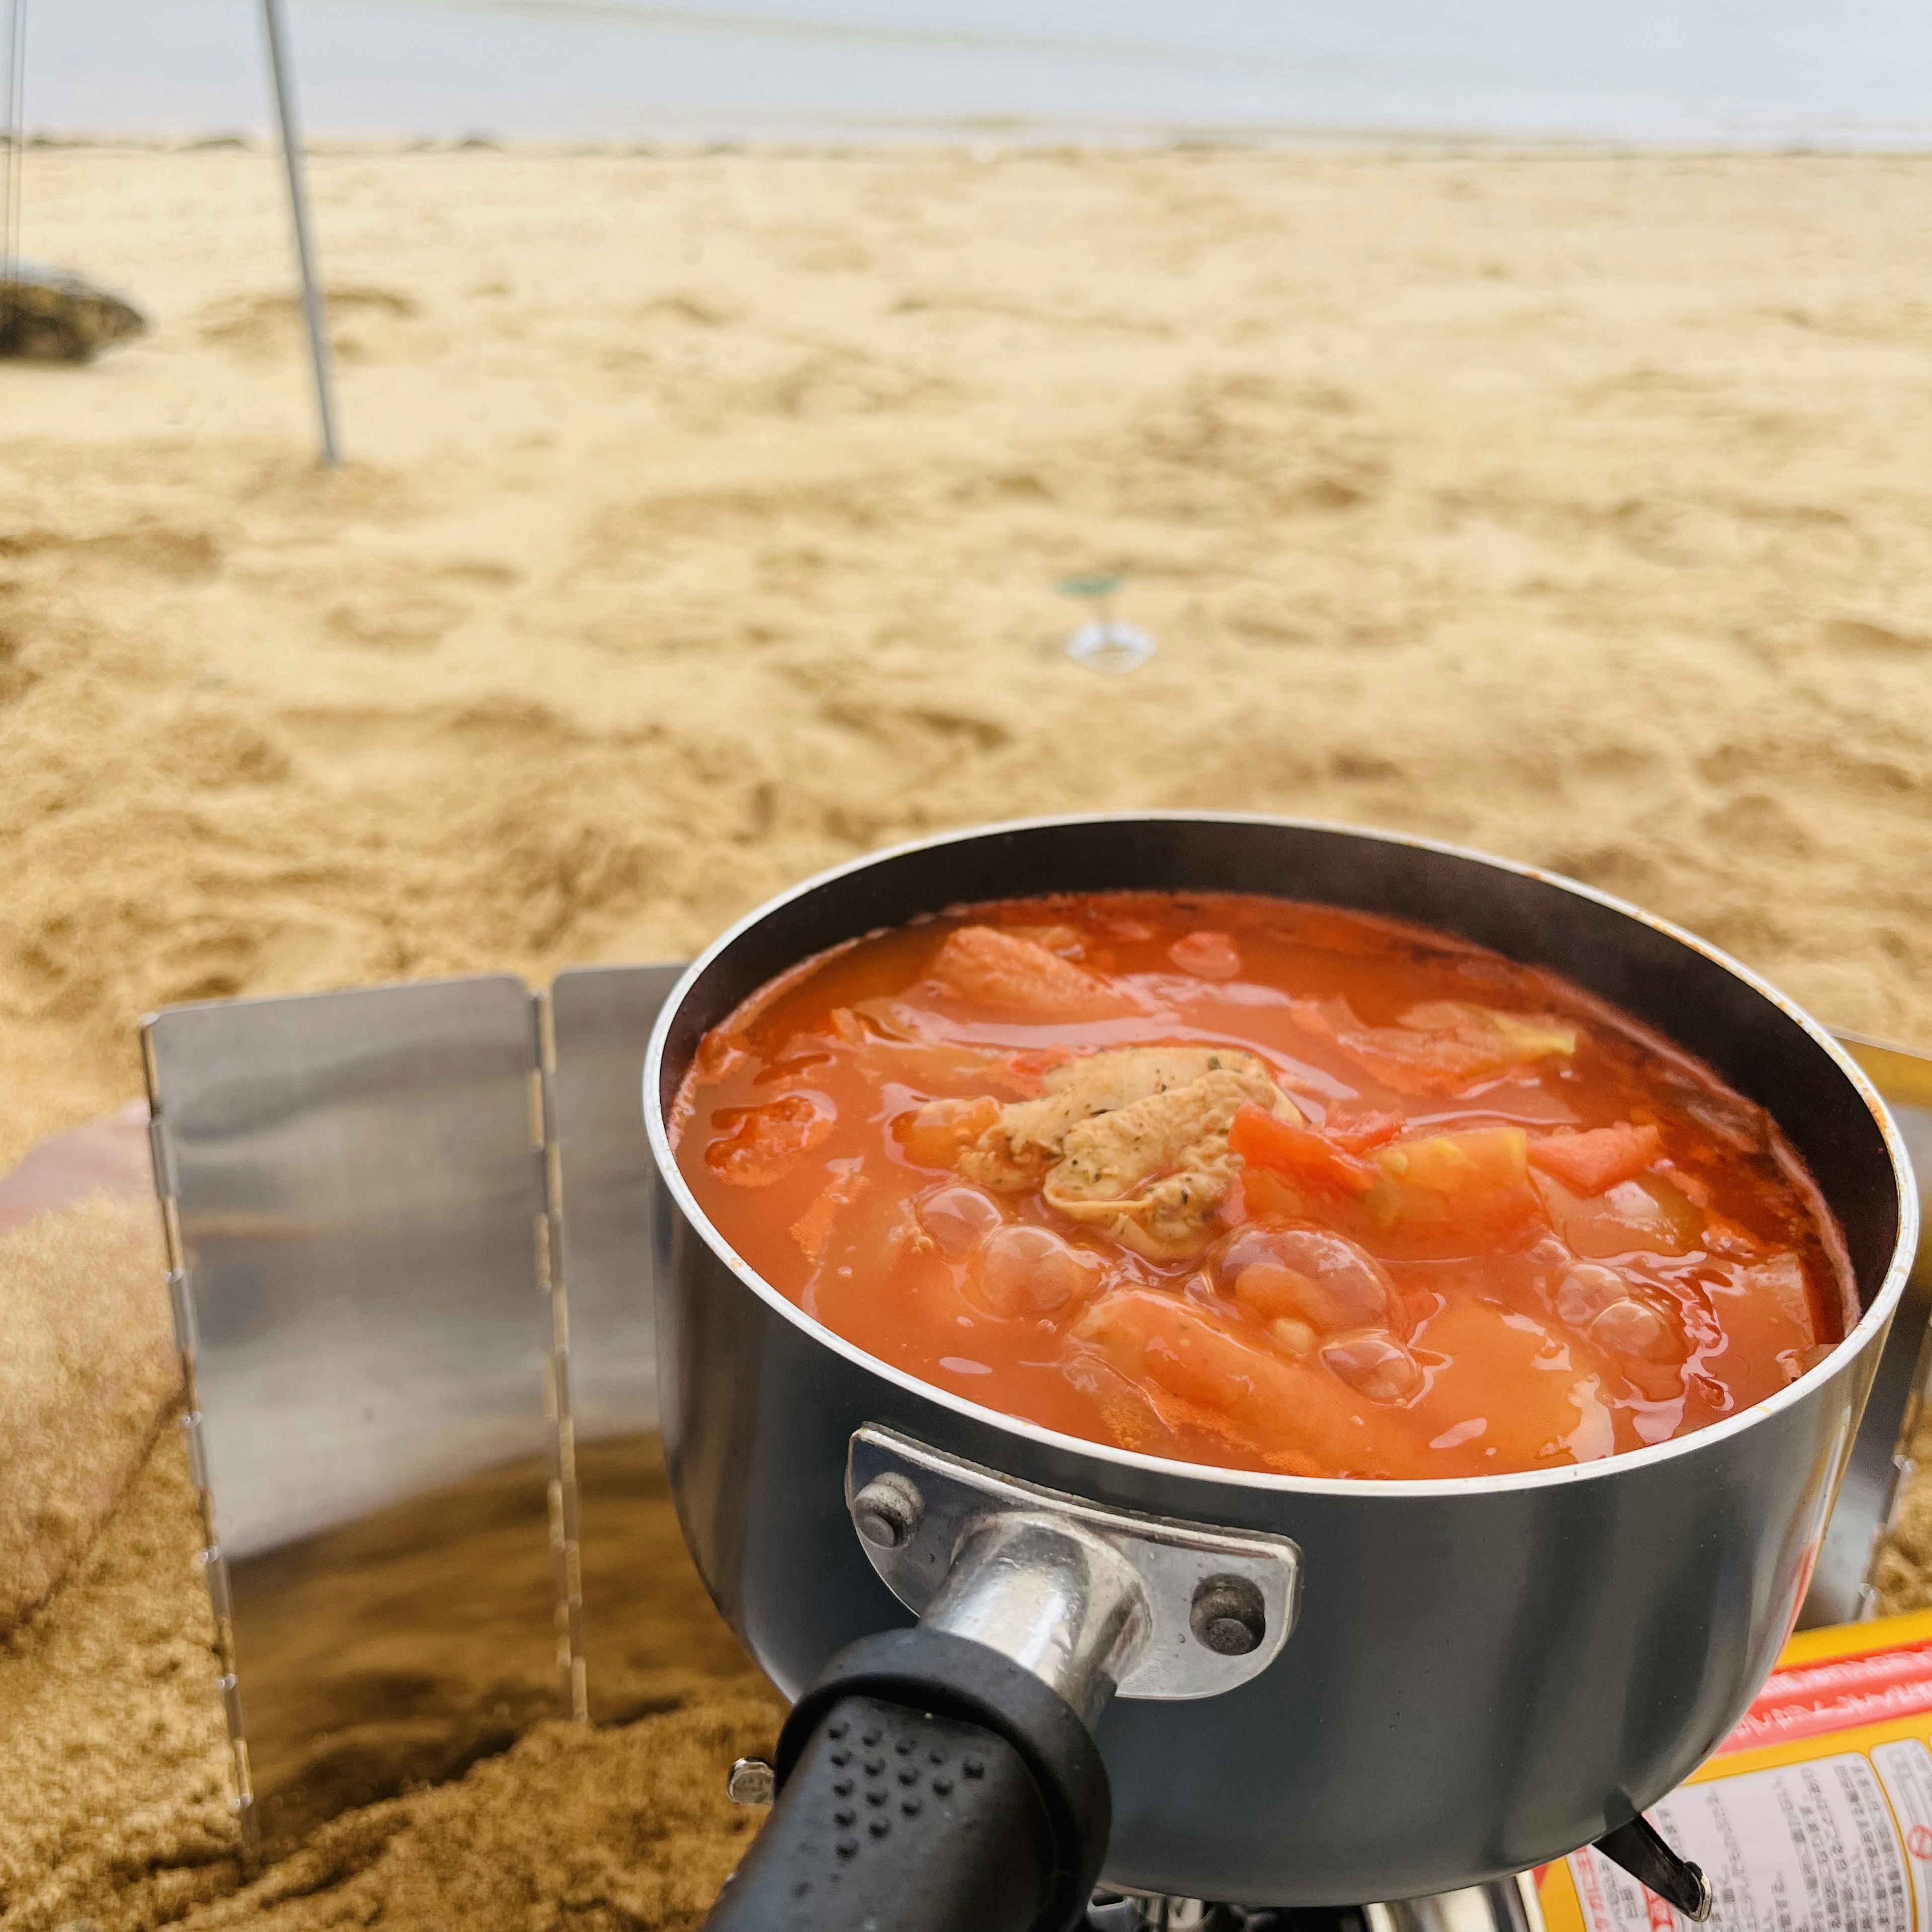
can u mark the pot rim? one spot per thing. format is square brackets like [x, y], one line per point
[1869, 1327]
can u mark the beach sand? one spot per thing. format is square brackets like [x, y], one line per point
[703, 526]
[705, 514]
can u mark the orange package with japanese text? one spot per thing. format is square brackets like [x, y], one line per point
[1814, 1815]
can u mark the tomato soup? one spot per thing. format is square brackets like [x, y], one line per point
[1248, 1182]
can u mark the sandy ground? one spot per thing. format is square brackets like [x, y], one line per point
[706, 515]
[704, 527]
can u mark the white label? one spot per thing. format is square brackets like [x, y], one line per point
[1907, 1768]
[1804, 1848]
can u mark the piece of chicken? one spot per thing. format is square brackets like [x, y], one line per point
[1133, 1141]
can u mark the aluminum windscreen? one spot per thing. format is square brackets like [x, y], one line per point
[355, 1182]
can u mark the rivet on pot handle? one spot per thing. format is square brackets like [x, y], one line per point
[887, 1511]
[751, 1782]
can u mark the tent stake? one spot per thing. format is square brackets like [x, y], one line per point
[313, 311]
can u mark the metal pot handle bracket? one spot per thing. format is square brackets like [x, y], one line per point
[944, 1779]
[1091, 1600]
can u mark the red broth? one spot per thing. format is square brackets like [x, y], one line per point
[1267, 1185]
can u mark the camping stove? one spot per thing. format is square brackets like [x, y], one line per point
[1508, 1907]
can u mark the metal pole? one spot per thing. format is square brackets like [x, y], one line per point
[14, 145]
[313, 311]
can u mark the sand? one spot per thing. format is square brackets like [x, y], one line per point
[1903, 1570]
[114, 1804]
[703, 527]
[88, 1372]
[706, 515]
[594, 1830]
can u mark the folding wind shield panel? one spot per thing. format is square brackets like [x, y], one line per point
[1840, 1591]
[600, 1020]
[354, 1183]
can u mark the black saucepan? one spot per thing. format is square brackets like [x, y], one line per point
[1478, 1675]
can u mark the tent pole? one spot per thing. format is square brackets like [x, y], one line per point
[314, 312]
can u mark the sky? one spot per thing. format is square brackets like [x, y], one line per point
[1853, 73]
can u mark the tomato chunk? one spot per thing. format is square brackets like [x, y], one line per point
[1591, 1162]
[1363, 1133]
[1455, 1194]
[761, 1145]
[1298, 1153]
[934, 1135]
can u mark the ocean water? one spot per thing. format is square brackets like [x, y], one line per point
[1828, 72]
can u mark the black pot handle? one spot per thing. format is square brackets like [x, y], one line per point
[926, 1783]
